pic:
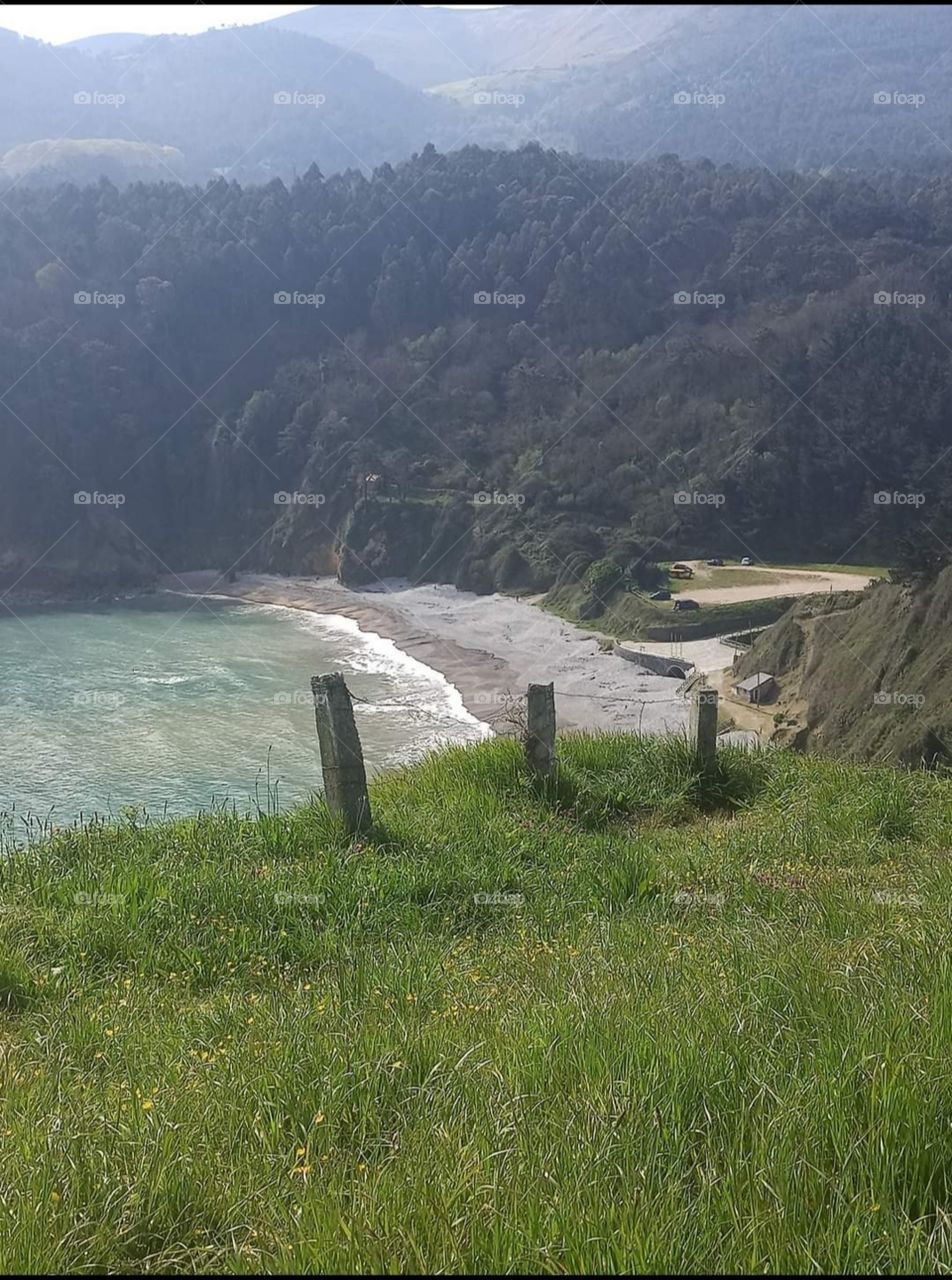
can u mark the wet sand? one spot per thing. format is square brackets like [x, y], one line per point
[489, 647]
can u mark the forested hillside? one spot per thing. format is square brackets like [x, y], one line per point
[540, 362]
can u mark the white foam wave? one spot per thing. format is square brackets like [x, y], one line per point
[377, 654]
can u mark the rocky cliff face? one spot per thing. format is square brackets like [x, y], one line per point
[424, 542]
[95, 557]
[444, 538]
[438, 541]
[868, 675]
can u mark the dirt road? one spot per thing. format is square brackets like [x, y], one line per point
[765, 582]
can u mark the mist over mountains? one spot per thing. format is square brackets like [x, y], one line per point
[357, 86]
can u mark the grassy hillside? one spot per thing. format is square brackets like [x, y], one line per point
[662, 1022]
[87, 159]
[632, 616]
[866, 675]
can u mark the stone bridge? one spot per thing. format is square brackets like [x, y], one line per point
[675, 668]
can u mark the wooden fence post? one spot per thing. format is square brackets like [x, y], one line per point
[342, 759]
[540, 729]
[704, 724]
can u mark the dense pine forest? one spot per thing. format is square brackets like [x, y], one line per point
[488, 368]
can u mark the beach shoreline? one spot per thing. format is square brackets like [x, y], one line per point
[488, 647]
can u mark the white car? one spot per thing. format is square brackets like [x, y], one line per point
[746, 560]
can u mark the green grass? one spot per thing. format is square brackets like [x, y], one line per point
[726, 577]
[736, 576]
[635, 617]
[704, 1025]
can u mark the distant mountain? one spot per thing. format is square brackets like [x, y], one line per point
[253, 103]
[792, 86]
[113, 42]
[789, 87]
[795, 86]
[426, 46]
[417, 45]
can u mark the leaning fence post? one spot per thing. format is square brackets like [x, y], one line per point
[704, 724]
[540, 729]
[342, 760]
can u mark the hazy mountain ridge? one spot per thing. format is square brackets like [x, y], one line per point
[254, 103]
[853, 86]
[430, 46]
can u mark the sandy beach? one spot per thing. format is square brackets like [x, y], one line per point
[489, 647]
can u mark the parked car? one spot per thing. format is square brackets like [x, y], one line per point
[715, 561]
[681, 570]
[686, 604]
[747, 560]
[660, 595]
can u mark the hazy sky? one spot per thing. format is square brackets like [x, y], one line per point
[59, 23]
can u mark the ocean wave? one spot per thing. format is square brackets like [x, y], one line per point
[375, 654]
[165, 680]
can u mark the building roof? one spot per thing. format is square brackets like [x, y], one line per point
[754, 682]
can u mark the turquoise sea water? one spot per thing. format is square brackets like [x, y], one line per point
[177, 706]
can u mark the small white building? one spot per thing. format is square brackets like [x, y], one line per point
[757, 688]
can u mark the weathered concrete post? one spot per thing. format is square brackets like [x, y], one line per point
[342, 759]
[704, 724]
[540, 729]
